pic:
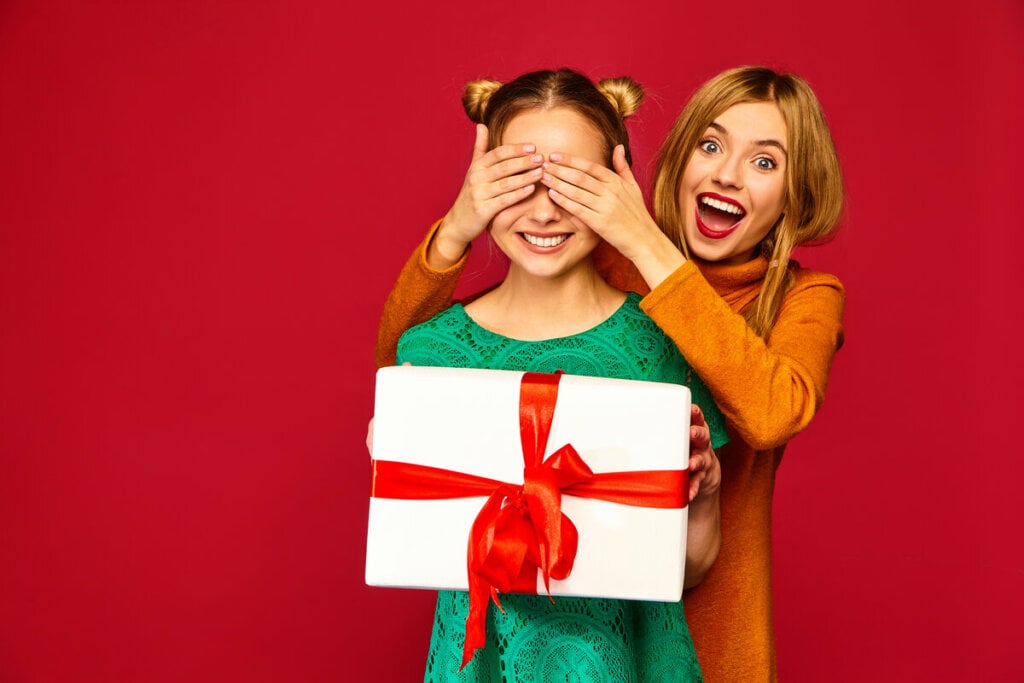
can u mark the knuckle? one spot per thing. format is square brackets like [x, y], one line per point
[505, 152]
[508, 168]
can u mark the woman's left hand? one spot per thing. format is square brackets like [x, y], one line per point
[705, 470]
[704, 518]
[610, 203]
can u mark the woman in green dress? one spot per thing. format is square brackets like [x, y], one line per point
[553, 311]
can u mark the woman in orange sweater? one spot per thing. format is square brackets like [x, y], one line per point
[748, 172]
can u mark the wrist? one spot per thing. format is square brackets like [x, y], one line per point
[444, 251]
[657, 258]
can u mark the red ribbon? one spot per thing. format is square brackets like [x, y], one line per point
[521, 528]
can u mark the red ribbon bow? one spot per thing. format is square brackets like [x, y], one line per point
[521, 528]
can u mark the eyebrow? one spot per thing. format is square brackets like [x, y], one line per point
[759, 143]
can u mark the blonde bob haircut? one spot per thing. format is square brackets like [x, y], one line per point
[814, 183]
[605, 104]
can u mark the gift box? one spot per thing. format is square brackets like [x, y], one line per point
[538, 483]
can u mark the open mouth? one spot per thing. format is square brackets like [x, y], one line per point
[718, 215]
[545, 242]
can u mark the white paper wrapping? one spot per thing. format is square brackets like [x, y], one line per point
[468, 421]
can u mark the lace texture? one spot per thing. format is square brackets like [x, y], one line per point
[586, 640]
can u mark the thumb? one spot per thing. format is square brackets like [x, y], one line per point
[620, 165]
[480, 143]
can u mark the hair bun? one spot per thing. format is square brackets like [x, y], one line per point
[624, 93]
[476, 97]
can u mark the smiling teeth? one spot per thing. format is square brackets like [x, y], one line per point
[721, 206]
[545, 241]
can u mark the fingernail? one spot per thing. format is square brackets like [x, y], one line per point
[556, 157]
[536, 158]
[529, 149]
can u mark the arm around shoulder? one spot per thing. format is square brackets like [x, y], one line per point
[420, 292]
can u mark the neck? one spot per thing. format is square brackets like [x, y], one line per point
[530, 307]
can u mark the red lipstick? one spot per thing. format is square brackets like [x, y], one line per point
[717, 232]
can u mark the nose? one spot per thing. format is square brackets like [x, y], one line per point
[729, 171]
[542, 209]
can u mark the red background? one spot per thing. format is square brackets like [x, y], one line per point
[204, 204]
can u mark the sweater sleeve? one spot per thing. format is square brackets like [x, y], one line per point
[419, 293]
[768, 391]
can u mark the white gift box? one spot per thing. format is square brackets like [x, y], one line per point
[467, 420]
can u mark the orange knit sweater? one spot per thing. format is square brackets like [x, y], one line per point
[767, 392]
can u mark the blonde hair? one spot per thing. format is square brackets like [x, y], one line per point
[605, 104]
[814, 183]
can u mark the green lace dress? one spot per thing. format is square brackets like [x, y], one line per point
[572, 639]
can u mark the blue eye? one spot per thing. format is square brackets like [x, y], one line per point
[709, 146]
[765, 164]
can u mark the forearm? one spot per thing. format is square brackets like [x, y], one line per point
[703, 538]
[770, 391]
[420, 292]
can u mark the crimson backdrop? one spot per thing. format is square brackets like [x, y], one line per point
[203, 205]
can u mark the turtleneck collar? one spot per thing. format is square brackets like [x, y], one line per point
[729, 279]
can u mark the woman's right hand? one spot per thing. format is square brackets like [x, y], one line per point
[496, 180]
